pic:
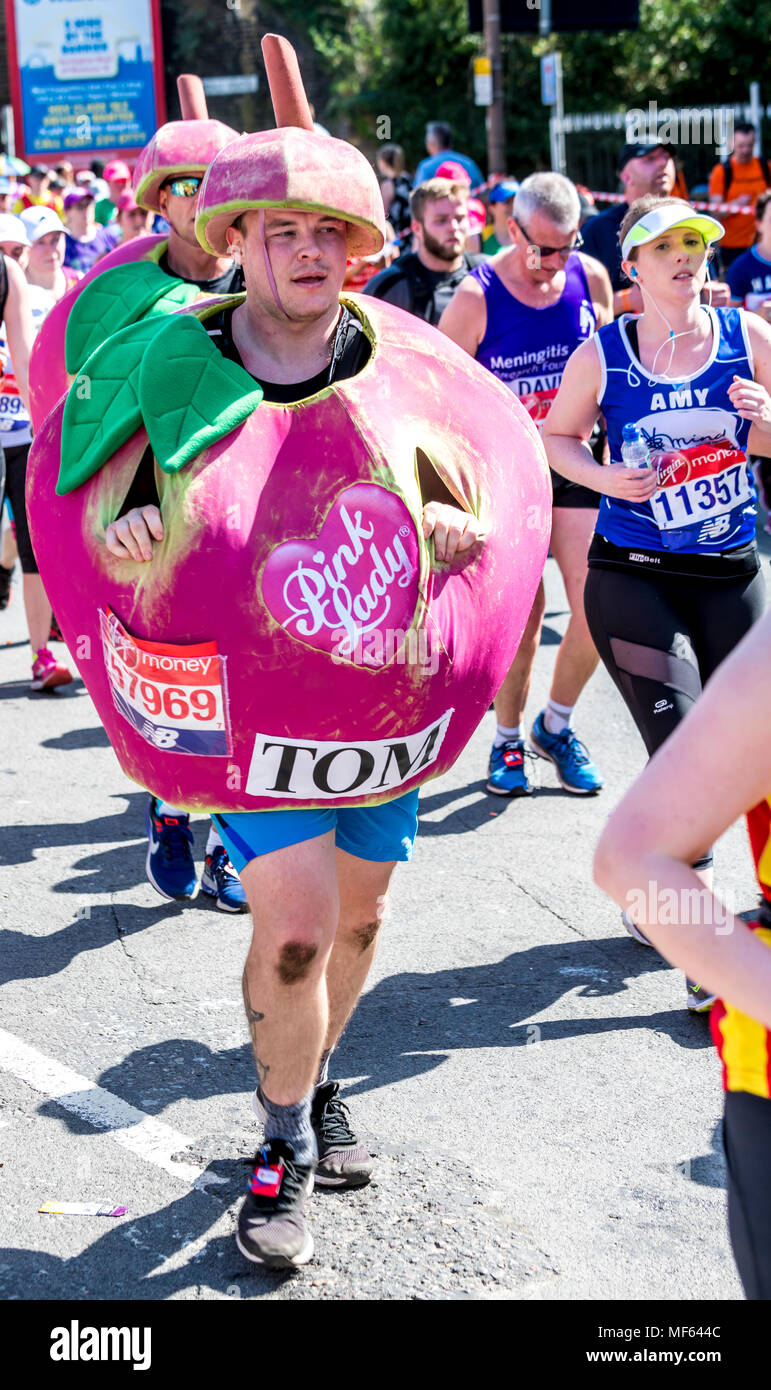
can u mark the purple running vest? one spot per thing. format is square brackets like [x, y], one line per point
[527, 348]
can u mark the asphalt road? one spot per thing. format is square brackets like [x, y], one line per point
[544, 1111]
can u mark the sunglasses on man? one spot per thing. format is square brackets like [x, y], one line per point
[546, 251]
[184, 188]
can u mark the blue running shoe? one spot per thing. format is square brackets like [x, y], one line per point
[507, 776]
[219, 880]
[170, 866]
[575, 769]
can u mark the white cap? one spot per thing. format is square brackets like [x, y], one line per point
[662, 219]
[12, 229]
[38, 221]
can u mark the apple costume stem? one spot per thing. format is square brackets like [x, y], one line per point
[293, 641]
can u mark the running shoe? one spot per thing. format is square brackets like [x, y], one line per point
[47, 672]
[272, 1229]
[5, 585]
[219, 880]
[169, 865]
[343, 1161]
[700, 1001]
[575, 769]
[634, 931]
[507, 775]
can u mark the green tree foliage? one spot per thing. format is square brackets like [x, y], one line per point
[379, 69]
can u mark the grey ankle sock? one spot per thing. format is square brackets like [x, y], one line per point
[323, 1075]
[292, 1123]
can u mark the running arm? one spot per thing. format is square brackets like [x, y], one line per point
[465, 318]
[750, 397]
[683, 801]
[569, 424]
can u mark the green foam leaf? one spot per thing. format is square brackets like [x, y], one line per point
[112, 301]
[189, 394]
[102, 407]
[179, 296]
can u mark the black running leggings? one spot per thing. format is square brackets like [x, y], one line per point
[747, 1142]
[662, 636]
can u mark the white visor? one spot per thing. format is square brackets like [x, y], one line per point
[663, 219]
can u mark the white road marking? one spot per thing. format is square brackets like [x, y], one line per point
[152, 1140]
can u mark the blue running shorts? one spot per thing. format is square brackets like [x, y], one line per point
[377, 833]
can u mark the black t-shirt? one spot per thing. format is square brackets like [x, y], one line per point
[232, 282]
[350, 354]
[600, 238]
[412, 286]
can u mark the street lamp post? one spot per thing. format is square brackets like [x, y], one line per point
[496, 143]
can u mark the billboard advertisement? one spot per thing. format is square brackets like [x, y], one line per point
[86, 76]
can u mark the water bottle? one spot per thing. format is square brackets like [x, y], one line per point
[634, 450]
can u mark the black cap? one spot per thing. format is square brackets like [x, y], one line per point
[40, 170]
[638, 151]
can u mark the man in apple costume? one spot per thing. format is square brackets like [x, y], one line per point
[304, 537]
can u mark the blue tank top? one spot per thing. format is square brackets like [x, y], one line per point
[527, 348]
[707, 499]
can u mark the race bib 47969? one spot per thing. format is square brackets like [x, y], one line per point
[175, 696]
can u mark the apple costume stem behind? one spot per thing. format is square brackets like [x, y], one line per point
[293, 641]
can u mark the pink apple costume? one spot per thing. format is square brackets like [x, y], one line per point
[294, 643]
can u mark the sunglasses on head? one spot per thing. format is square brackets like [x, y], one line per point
[546, 251]
[184, 188]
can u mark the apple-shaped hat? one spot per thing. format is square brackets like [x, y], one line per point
[290, 167]
[180, 147]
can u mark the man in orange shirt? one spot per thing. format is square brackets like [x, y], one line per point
[748, 178]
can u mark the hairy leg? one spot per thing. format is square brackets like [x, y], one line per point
[293, 897]
[363, 897]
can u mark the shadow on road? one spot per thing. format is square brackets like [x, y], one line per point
[410, 1023]
[121, 1263]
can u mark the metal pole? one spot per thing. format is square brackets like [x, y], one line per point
[496, 143]
[756, 116]
[7, 133]
[559, 111]
[544, 19]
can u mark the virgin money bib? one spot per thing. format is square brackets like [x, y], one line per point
[707, 498]
[293, 641]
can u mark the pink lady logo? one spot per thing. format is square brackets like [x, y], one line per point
[362, 570]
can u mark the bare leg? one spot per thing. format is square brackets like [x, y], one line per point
[8, 553]
[38, 611]
[512, 697]
[577, 658]
[294, 900]
[363, 896]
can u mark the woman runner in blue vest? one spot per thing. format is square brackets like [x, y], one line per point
[674, 578]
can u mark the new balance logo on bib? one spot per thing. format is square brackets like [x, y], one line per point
[706, 501]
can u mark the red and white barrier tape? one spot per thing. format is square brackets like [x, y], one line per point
[621, 198]
[701, 207]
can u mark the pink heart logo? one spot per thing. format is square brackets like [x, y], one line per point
[353, 590]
